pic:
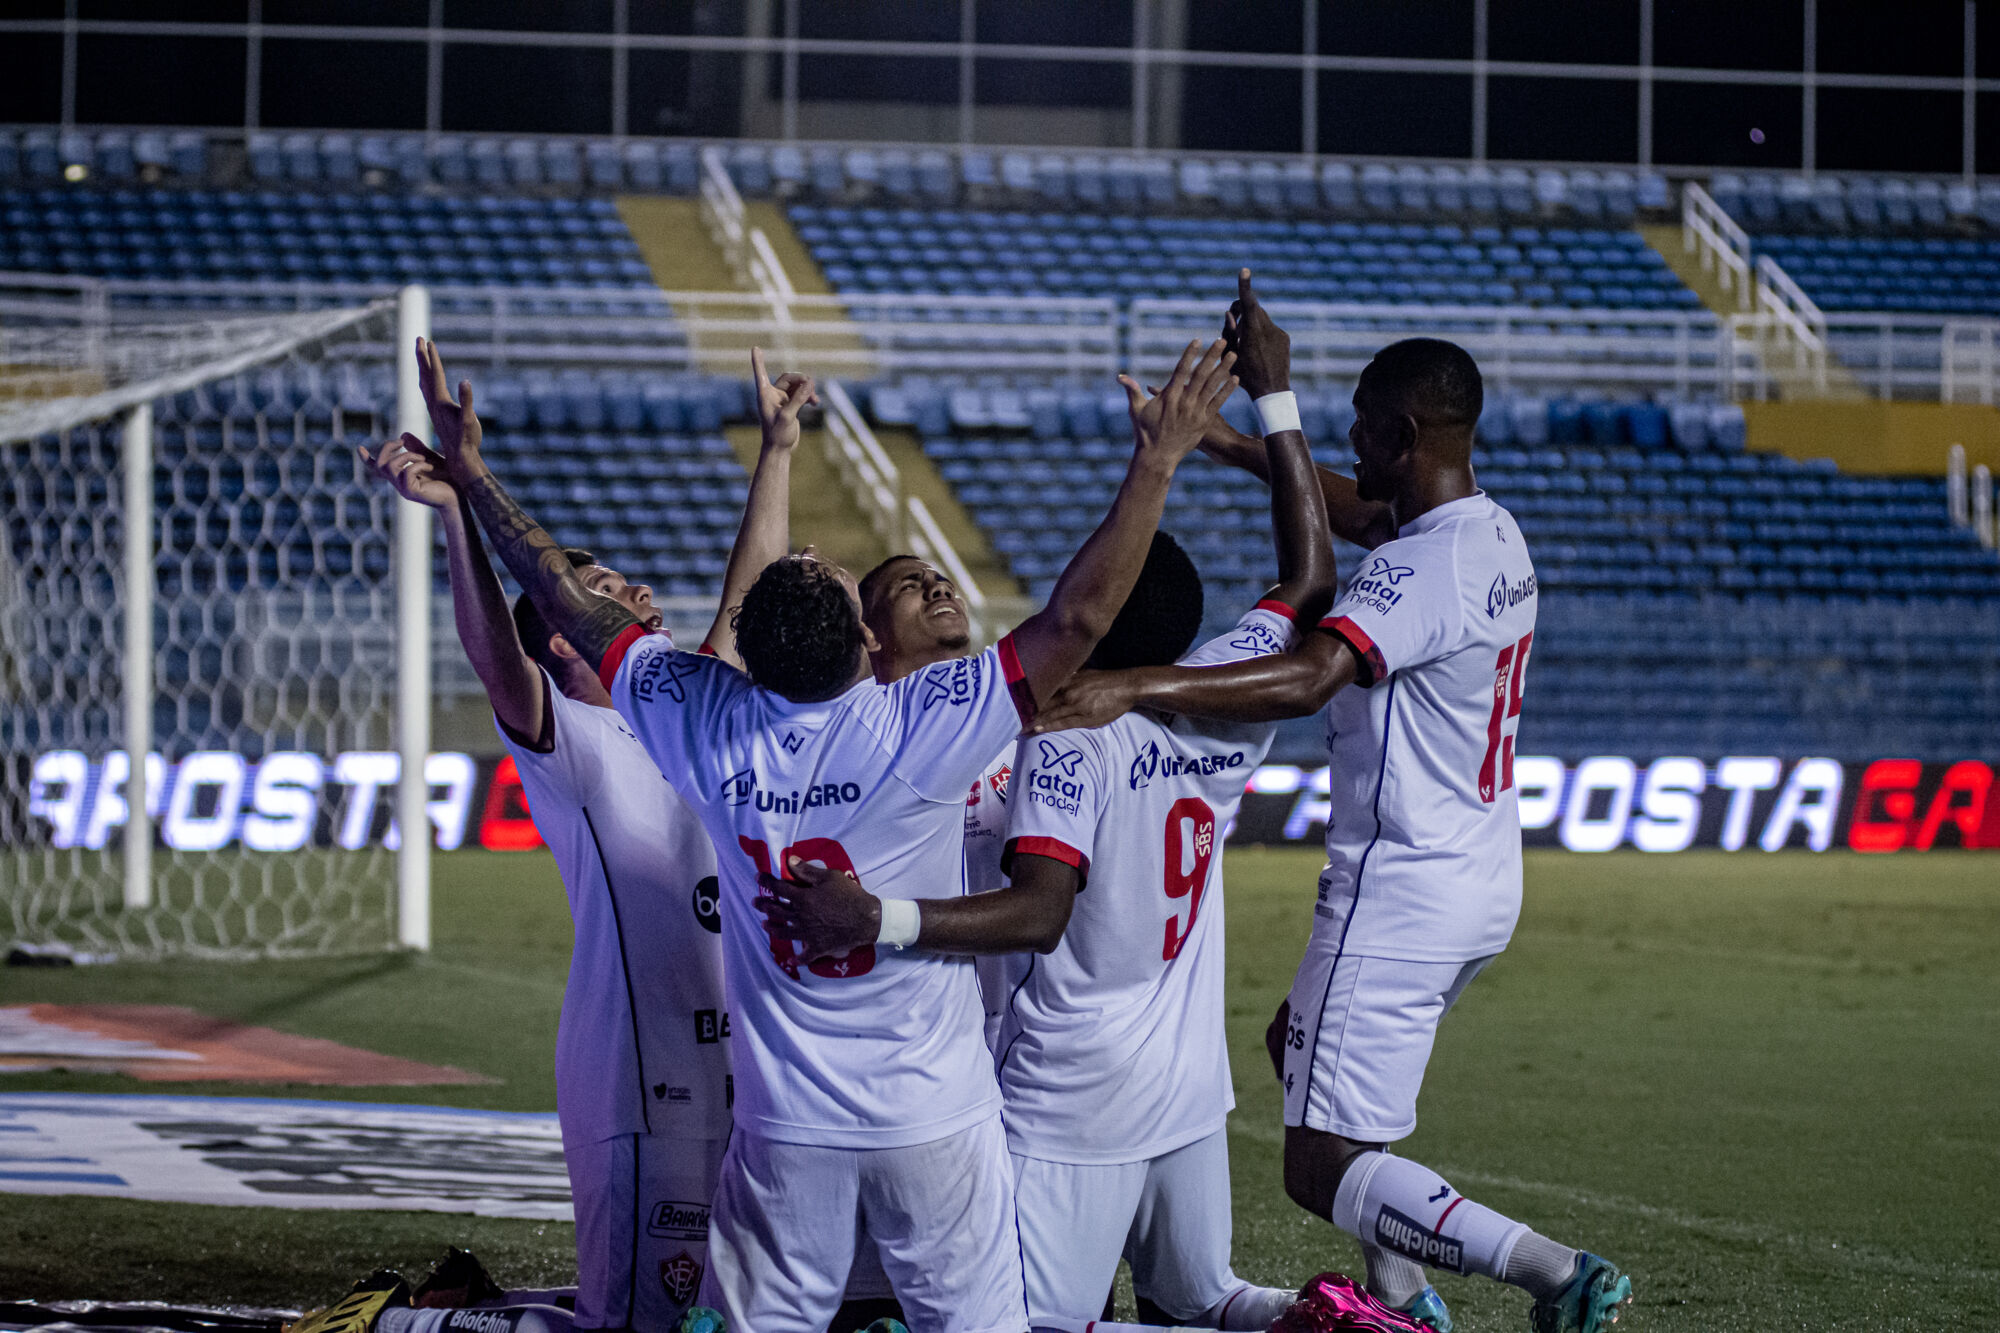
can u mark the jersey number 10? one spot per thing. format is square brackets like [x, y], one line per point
[1190, 846]
[1510, 674]
[828, 853]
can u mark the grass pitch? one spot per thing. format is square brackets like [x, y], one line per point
[1766, 1085]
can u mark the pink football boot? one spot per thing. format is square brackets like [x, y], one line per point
[1333, 1303]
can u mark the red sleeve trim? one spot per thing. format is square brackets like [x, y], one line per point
[1053, 848]
[1017, 681]
[614, 656]
[705, 650]
[1372, 665]
[1276, 608]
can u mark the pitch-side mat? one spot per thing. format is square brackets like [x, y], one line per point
[161, 1043]
[280, 1153]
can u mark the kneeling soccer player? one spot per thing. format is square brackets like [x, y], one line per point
[642, 1067]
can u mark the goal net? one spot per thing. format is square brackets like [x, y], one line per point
[248, 650]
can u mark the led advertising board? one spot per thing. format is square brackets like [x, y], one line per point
[213, 799]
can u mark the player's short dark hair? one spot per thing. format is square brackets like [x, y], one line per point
[1161, 615]
[533, 631]
[797, 630]
[873, 579]
[1435, 381]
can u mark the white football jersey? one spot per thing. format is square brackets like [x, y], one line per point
[641, 1046]
[986, 808]
[1423, 844]
[1111, 1048]
[881, 1048]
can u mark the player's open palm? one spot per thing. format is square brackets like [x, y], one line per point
[1173, 421]
[779, 404]
[413, 469]
[454, 423]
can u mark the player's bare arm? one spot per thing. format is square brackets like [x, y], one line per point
[589, 620]
[1054, 642]
[1263, 689]
[1264, 365]
[1298, 507]
[478, 604]
[830, 913]
[766, 531]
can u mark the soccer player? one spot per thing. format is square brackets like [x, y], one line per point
[1423, 662]
[642, 1072]
[1113, 1063]
[864, 1090]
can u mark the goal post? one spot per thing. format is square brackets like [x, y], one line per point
[413, 641]
[215, 633]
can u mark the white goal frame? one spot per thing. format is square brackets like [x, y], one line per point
[413, 647]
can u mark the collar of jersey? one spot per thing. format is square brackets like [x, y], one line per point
[778, 703]
[1443, 514]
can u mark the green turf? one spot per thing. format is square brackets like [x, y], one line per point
[1764, 1084]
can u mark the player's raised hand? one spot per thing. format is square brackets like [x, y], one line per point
[455, 424]
[1263, 350]
[414, 469]
[779, 404]
[1174, 420]
[826, 911]
[1088, 699]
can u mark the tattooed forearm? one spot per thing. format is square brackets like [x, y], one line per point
[590, 622]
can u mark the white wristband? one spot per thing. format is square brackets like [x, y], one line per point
[1278, 411]
[900, 923]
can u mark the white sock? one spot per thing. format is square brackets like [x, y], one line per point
[1043, 1323]
[1392, 1279]
[1540, 1265]
[1408, 1209]
[1247, 1307]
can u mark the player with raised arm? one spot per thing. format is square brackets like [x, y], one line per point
[1113, 1065]
[1423, 879]
[642, 1071]
[865, 1095]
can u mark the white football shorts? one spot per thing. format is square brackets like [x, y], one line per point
[941, 1214]
[1167, 1216]
[641, 1227]
[1359, 1036]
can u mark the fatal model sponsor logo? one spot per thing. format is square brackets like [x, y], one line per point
[1376, 585]
[1152, 764]
[1257, 638]
[955, 682]
[741, 788]
[1054, 782]
[1405, 1236]
[1505, 596]
[659, 673]
[676, 1220]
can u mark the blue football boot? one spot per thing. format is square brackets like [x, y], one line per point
[1589, 1303]
[1427, 1307]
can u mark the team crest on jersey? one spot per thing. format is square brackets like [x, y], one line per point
[660, 673]
[954, 682]
[997, 781]
[1152, 764]
[681, 1277]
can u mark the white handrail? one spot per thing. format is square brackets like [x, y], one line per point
[928, 540]
[721, 205]
[867, 471]
[1782, 301]
[1722, 245]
